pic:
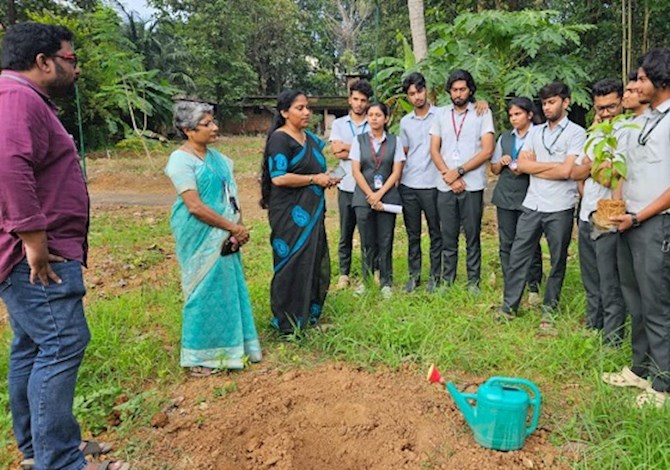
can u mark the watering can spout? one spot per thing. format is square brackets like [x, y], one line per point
[461, 400]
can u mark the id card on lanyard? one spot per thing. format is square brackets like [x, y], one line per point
[456, 155]
[377, 158]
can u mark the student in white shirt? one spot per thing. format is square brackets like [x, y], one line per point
[605, 309]
[418, 185]
[462, 142]
[547, 156]
[377, 159]
[342, 134]
[511, 188]
[644, 249]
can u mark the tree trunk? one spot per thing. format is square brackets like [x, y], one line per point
[630, 35]
[645, 31]
[11, 12]
[417, 24]
[624, 30]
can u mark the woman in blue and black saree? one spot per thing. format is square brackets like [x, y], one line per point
[294, 179]
[218, 330]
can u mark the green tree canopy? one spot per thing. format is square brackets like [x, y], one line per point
[508, 53]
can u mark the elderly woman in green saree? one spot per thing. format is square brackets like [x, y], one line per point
[294, 179]
[218, 330]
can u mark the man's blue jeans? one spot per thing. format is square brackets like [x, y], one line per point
[50, 337]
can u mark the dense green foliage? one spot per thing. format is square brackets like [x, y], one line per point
[224, 50]
[508, 53]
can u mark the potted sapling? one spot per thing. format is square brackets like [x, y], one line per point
[609, 166]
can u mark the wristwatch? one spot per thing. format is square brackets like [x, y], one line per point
[461, 171]
[636, 223]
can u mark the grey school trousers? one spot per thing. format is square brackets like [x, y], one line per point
[605, 309]
[465, 209]
[507, 222]
[557, 228]
[644, 271]
[347, 227]
[414, 202]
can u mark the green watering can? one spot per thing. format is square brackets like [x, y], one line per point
[499, 417]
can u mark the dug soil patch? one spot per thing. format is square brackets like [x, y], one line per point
[331, 416]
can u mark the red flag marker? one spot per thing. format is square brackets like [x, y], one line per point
[434, 375]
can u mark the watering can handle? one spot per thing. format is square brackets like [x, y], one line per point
[535, 401]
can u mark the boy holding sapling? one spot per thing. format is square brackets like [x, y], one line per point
[598, 173]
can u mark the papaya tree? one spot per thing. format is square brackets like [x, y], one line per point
[508, 53]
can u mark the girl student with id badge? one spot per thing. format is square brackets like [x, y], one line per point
[377, 160]
[511, 188]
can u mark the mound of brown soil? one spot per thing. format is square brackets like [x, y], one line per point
[329, 417]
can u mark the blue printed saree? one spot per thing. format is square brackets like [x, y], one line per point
[298, 238]
[218, 328]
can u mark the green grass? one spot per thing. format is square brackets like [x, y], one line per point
[136, 339]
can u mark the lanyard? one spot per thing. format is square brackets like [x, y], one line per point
[378, 158]
[453, 123]
[353, 131]
[642, 138]
[517, 148]
[550, 148]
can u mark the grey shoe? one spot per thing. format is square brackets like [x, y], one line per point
[432, 285]
[503, 316]
[387, 292]
[360, 290]
[547, 325]
[411, 285]
[534, 299]
[474, 289]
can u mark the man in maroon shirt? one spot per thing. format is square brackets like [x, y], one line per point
[43, 227]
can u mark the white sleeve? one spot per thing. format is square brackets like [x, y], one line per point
[577, 141]
[336, 131]
[497, 153]
[487, 123]
[399, 151]
[355, 151]
[403, 134]
[529, 144]
[436, 126]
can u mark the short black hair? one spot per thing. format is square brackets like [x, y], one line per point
[416, 79]
[606, 87]
[554, 89]
[24, 41]
[461, 74]
[632, 76]
[656, 64]
[523, 103]
[361, 86]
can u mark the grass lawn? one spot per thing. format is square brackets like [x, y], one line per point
[134, 311]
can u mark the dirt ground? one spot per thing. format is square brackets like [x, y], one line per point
[332, 416]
